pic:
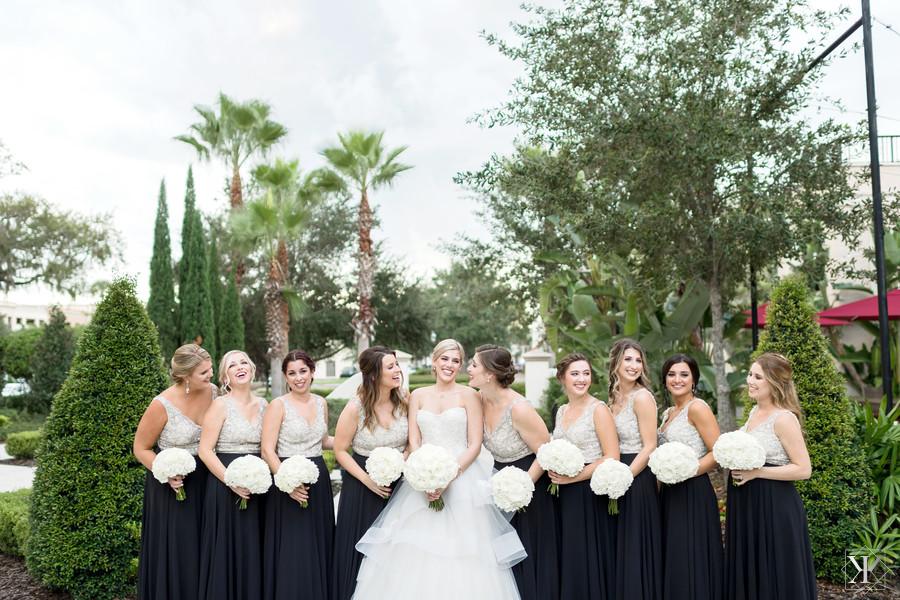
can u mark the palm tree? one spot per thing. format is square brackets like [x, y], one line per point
[239, 131]
[360, 162]
[266, 224]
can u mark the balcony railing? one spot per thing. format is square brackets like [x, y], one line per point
[888, 151]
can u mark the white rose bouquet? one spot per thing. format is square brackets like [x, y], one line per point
[430, 468]
[173, 462]
[250, 472]
[674, 462]
[511, 488]
[385, 465]
[560, 456]
[296, 471]
[612, 478]
[738, 450]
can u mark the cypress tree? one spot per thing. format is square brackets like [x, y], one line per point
[215, 290]
[50, 362]
[195, 302]
[161, 305]
[190, 206]
[836, 497]
[86, 500]
[231, 321]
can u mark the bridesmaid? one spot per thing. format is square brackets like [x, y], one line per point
[298, 541]
[231, 543]
[767, 549]
[375, 418]
[513, 431]
[639, 548]
[170, 531]
[587, 530]
[691, 533]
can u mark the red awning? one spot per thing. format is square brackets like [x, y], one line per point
[761, 318]
[865, 309]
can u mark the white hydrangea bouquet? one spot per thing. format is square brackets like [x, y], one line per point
[173, 462]
[250, 472]
[738, 450]
[385, 465]
[511, 489]
[430, 468]
[560, 456]
[296, 471]
[674, 462]
[612, 478]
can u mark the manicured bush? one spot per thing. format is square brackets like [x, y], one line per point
[88, 486]
[52, 357]
[838, 495]
[18, 350]
[14, 527]
[23, 444]
[20, 421]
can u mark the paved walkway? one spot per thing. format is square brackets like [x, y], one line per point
[13, 477]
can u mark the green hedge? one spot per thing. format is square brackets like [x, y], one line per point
[838, 495]
[20, 421]
[23, 444]
[88, 486]
[14, 526]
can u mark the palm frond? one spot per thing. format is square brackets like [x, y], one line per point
[202, 151]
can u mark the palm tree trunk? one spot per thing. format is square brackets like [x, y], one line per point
[237, 201]
[364, 322]
[723, 391]
[277, 317]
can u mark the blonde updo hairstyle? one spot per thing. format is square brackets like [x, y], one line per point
[446, 346]
[185, 359]
[223, 369]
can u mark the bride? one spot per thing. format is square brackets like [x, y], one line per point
[464, 551]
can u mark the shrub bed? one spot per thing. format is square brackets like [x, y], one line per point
[23, 444]
[14, 529]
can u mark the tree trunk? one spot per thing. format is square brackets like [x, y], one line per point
[723, 390]
[277, 317]
[364, 322]
[237, 201]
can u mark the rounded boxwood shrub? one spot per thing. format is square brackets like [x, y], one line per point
[837, 496]
[88, 486]
[23, 444]
[14, 521]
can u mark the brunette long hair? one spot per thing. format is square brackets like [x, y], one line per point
[780, 376]
[370, 366]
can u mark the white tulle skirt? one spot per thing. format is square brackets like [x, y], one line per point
[463, 551]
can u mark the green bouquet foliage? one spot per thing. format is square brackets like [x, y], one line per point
[837, 496]
[88, 486]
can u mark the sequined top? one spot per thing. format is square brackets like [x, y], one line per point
[179, 431]
[630, 441]
[765, 435]
[238, 435]
[581, 433]
[505, 443]
[681, 430]
[366, 440]
[297, 436]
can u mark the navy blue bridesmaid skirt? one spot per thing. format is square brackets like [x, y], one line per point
[767, 550]
[298, 542]
[358, 508]
[537, 577]
[587, 544]
[692, 541]
[169, 564]
[231, 542]
[639, 541]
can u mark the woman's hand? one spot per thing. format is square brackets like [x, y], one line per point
[300, 494]
[382, 491]
[435, 495]
[742, 477]
[561, 479]
[240, 491]
[177, 482]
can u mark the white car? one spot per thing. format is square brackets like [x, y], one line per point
[15, 388]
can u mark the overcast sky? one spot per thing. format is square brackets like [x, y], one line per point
[94, 91]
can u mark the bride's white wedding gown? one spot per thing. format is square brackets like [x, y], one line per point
[464, 551]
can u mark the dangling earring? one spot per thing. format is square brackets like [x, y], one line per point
[227, 386]
[187, 388]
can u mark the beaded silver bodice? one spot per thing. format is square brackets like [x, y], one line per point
[297, 437]
[681, 430]
[238, 435]
[366, 440]
[766, 436]
[504, 442]
[627, 428]
[582, 432]
[179, 431]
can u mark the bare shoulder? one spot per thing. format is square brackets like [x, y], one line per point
[644, 398]
[700, 410]
[468, 394]
[786, 423]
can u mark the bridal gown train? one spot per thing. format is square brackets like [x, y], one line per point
[464, 551]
